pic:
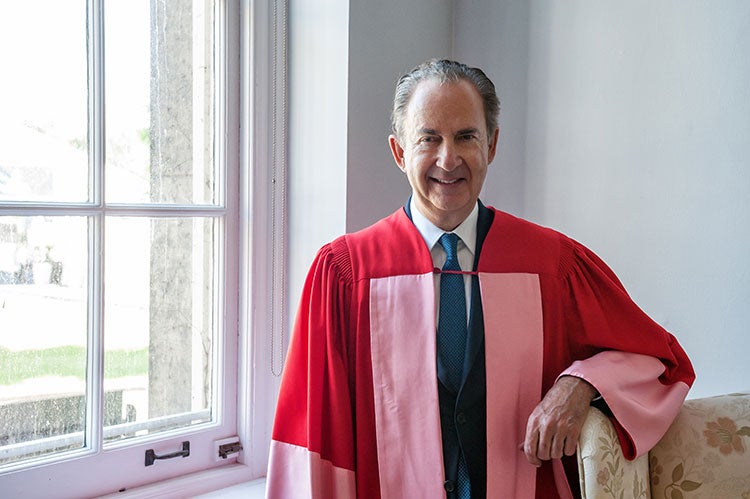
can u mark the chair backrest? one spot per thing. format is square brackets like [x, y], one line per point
[706, 451]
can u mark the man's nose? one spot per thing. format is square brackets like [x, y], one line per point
[448, 155]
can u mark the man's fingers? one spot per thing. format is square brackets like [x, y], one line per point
[529, 446]
[557, 447]
[553, 427]
[571, 444]
[544, 447]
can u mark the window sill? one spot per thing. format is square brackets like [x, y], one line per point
[255, 489]
[230, 481]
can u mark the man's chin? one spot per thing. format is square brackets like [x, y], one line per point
[448, 215]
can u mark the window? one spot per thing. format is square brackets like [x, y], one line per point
[119, 236]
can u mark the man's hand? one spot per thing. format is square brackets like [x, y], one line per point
[553, 427]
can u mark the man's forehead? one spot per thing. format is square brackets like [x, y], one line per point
[435, 103]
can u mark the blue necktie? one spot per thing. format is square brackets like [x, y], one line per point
[451, 336]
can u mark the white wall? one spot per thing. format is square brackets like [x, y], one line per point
[623, 124]
[494, 35]
[627, 126]
[344, 59]
[386, 39]
[318, 53]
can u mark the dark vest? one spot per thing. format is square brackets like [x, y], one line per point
[463, 415]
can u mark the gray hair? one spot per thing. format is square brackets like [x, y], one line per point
[445, 71]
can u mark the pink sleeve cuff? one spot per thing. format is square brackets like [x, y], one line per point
[643, 407]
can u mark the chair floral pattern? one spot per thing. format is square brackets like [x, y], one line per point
[604, 471]
[705, 451]
[704, 454]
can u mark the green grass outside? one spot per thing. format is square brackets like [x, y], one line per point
[68, 361]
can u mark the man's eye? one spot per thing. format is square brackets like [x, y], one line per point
[467, 136]
[428, 139]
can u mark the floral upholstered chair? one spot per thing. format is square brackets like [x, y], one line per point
[704, 454]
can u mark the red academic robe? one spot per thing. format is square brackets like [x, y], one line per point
[358, 412]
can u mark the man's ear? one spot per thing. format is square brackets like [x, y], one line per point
[493, 146]
[397, 151]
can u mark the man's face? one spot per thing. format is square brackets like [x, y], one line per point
[445, 150]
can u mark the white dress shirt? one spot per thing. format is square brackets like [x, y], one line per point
[467, 233]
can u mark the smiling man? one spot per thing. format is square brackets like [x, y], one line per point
[452, 349]
[444, 147]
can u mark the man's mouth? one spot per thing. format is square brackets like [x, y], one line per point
[447, 181]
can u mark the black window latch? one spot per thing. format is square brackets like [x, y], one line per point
[151, 455]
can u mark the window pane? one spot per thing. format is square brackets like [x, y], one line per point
[43, 101]
[159, 322]
[159, 107]
[43, 332]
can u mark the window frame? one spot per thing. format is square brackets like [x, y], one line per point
[253, 50]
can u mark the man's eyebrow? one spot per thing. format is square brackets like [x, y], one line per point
[464, 131]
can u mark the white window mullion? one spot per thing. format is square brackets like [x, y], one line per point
[95, 356]
[227, 269]
[96, 100]
[95, 367]
[224, 346]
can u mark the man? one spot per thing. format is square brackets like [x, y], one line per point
[452, 349]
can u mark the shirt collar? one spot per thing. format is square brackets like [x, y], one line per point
[431, 233]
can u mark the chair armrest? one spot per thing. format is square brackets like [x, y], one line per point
[602, 469]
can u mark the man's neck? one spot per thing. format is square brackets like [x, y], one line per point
[466, 229]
